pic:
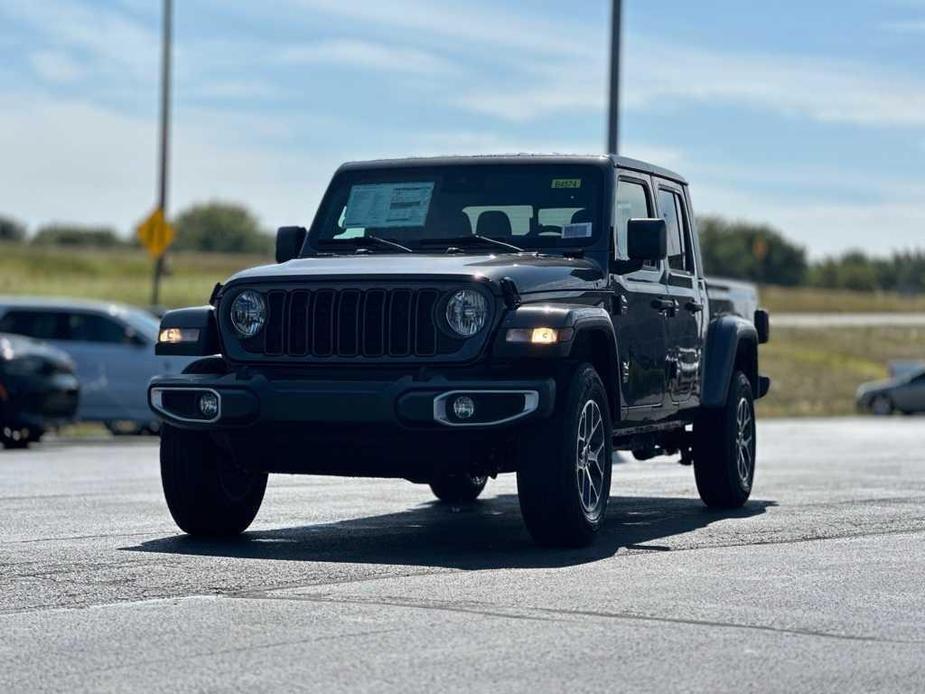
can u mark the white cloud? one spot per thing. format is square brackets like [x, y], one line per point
[238, 89]
[468, 23]
[368, 55]
[911, 26]
[562, 67]
[56, 66]
[116, 43]
[83, 163]
[819, 90]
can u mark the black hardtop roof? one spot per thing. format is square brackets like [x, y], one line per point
[598, 159]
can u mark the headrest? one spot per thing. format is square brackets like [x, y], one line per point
[582, 217]
[495, 224]
[455, 224]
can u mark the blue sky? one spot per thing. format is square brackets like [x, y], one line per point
[807, 115]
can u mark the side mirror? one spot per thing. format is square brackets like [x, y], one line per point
[647, 240]
[289, 241]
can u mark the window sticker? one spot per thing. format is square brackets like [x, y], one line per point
[384, 205]
[577, 231]
[566, 183]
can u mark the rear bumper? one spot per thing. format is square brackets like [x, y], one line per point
[402, 403]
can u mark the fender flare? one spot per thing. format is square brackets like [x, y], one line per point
[577, 321]
[724, 337]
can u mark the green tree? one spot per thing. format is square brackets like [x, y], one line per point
[853, 270]
[756, 252]
[11, 230]
[77, 235]
[220, 227]
[902, 272]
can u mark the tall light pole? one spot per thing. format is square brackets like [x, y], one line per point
[164, 136]
[613, 119]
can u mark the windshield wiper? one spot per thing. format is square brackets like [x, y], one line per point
[361, 241]
[464, 240]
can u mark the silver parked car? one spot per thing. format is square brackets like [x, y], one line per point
[904, 393]
[112, 346]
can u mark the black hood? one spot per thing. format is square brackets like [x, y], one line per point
[529, 271]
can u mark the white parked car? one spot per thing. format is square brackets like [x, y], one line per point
[112, 346]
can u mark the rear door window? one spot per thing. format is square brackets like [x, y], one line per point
[93, 327]
[671, 209]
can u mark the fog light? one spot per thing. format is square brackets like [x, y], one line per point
[208, 405]
[463, 407]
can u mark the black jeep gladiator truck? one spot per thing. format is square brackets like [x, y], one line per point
[445, 320]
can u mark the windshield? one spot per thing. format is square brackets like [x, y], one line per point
[531, 206]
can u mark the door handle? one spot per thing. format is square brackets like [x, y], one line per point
[667, 306]
[693, 306]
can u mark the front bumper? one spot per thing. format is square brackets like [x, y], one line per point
[405, 402]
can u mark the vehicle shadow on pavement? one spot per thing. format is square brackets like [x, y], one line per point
[487, 534]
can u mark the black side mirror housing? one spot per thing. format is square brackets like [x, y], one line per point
[647, 240]
[289, 242]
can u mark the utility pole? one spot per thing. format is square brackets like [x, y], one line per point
[164, 137]
[613, 121]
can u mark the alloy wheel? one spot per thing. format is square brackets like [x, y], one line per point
[745, 439]
[590, 449]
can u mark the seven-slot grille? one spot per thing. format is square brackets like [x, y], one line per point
[353, 323]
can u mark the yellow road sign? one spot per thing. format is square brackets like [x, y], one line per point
[156, 234]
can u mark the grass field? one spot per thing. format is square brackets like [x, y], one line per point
[813, 300]
[815, 371]
[116, 275]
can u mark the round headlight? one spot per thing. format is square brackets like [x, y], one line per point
[248, 313]
[466, 312]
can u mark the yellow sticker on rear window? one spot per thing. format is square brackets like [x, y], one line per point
[566, 183]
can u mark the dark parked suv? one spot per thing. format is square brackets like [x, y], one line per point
[446, 320]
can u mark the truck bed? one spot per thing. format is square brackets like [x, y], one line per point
[733, 297]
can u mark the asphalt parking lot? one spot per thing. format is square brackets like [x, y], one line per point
[817, 584]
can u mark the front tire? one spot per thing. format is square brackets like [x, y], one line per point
[882, 406]
[207, 494]
[563, 479]
[458, 489]
[725, 446]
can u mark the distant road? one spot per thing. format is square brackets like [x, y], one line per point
[846, 320]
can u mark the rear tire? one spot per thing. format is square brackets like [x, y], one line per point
[207, 494]
[563, 477]
[725, 447]
[458, 489]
